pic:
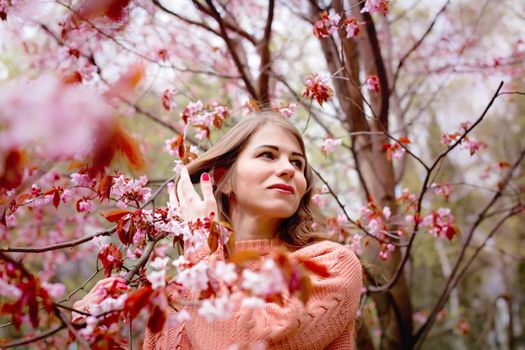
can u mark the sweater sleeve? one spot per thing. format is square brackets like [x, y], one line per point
[330, 311]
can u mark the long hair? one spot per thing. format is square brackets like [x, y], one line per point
[297, 231]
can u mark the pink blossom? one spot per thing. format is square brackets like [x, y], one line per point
[317, 87]
[86, 206]
[372, 83]
[192, 109]
[387, 213]
[287, 110]
[329, 145]
[82, 180]
[126, 190]
[352, 27]
[157, 278]
[40, 115]
[176, 320]
[217, 309]
[159, 263]
[446, 139]
[398, 153]
[318, 200]
[253, 302]
[376, 6]
[168, 101]
[9, 290]
[225, 272]
[11, 220]
[269, 280]
[472, 146]
[55, 290]
[327, 25]
[194, 277]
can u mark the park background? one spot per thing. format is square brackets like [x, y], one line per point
[412, 112]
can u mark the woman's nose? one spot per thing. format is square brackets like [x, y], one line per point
[285, 168]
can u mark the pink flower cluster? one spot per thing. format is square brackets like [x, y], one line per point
[327, 25]
[329, 145]
[203, 117]
[466, 143]
[316, 87]
[43, 115]
[126, 190]
[376, 6]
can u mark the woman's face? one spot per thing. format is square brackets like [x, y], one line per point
[268, 177]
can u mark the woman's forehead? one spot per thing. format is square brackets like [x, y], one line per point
[276, 136]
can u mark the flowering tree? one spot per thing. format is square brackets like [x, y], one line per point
[99, 98]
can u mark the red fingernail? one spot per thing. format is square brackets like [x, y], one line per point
[205, 177]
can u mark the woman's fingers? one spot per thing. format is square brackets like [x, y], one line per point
[185, 189]
[207, 194]
[172, 195]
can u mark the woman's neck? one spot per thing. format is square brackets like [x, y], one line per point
[248, 227]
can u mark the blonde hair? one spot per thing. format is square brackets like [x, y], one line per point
[296, 231]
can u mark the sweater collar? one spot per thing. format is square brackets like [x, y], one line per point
[263, 246]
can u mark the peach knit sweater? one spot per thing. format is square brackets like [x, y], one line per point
[326, 322]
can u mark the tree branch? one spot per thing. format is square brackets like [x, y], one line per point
[224, 34]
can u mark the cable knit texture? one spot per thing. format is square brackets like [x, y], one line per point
[327, 321]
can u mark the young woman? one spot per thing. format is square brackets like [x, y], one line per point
[257, 178]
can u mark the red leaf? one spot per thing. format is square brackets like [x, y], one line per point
[115, 261]
[72, 78]
[213, 239]
[156, 320]
[318, 269]
[112, 9]
[116, 215]
[13, 169]
[56, 198]
[136, 301]
[404, 140]
[126, 230]
[118, 141]
[104, 187]
[3, 220]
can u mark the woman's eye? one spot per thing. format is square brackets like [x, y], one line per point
[267, 155]
[297, 163]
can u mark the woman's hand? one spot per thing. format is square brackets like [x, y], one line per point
[191, 205]
[98, 293]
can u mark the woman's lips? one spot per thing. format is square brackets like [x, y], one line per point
[283, 188]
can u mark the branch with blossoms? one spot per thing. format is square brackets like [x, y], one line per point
[417, 216]
[457, 274]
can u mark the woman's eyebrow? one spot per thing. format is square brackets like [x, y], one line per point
[277, 149]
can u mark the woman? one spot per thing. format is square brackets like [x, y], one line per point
[257, 178]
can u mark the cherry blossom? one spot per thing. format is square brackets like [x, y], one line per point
[225, 272]
[157, 276]
[317, 88]
[217, 309]
[376, 6]
[327, 25]
[126, 190]
[329, 145]
[351, 26]
[253, 302]
[34, 112]
[269, 280]
[287, 110]
[372, 83]
[9, 291]
[194, 277]
[168, 101]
